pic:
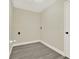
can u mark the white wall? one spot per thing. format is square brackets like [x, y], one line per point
[28, 23]
[52, 20]
[10, 23]
[10, 17]
[67, 27]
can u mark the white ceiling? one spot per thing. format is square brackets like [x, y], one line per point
[33, 5]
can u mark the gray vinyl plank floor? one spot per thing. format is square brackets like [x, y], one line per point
[34, 51]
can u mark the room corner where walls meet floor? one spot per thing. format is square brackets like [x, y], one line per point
[49, 46]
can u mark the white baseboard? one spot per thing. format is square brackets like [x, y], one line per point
[26, 43]
[22, 44]
[53, 48]
[10, 50]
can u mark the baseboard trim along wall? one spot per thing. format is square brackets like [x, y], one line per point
[26, 43]
[53, 48]
[22, 44]
[10, 50]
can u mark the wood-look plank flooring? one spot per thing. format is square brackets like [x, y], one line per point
[34, 51]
